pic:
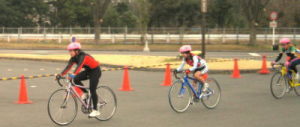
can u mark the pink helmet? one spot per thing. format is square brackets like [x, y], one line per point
[185, 48]
[285, 41]
[74, 45]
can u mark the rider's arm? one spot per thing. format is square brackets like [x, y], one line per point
[80, 64]
[181, 65]
[68, 67]
[195, 64]
[278, 57]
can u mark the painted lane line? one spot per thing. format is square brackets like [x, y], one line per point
[254, 54]
[42, 69]
[33, 86]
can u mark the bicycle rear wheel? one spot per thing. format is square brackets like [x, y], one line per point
[212, 96]
[179, 97]
[107, 103]
[278, 85]
[62, 107]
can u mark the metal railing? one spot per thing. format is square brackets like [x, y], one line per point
[154, 35]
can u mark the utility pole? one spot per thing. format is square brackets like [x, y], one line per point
[203, 25]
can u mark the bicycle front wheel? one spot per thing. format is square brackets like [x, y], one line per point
[62, 107]
[212, 96]
[278, 85]
[179, 97]
[107, 103]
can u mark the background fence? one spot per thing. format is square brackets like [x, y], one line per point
[154, 35]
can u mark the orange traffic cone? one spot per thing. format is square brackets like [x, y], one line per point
[23, 98]
[168, 76]
[78, 90]
[264, 69]
[236, 71]
[126, 82]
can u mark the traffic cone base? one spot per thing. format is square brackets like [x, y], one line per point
[25, 102]
[122, 89]
[168, 76]
[23, 98]
[126, 82]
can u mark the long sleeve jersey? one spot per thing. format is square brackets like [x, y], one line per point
[82, 60]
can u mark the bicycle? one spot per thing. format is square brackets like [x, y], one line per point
[63, 105]
[185, 92]
[281, 82]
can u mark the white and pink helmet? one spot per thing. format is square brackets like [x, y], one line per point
[284, 41]
[185, 48]
[74, 45]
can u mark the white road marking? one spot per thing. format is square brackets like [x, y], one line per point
[42, 69]
[33, 86]
[58, 69]
[254, 54]
[9, 69]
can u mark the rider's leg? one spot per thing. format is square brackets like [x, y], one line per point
[293, 65]
[202, 78]
[94, 80]
[80, 77]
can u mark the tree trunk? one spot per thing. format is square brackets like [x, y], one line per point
[143, 34]
[252, 29]
[99, 10]
[97, 33]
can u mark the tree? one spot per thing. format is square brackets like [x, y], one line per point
[174, 13]
[66, 13]
[253, 10]
[220, 12]
[142, 9]
[24, 13]
[99, 9]
[120, 15]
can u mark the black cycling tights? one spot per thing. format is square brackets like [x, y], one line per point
[293, 65]
[94, 76]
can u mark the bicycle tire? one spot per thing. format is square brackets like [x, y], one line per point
[297, 90]
[175, 94]
[114, 103]
[72, 118]
[211, 82]
[273, 84]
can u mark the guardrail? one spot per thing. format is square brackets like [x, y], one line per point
[155, 35]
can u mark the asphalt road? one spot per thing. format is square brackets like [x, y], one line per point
[246, 102]
[209, 54]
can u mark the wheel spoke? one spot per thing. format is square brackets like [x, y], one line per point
[107, 103]
[179, 97]
[278, 85]
[62, 108]
[212, 97]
